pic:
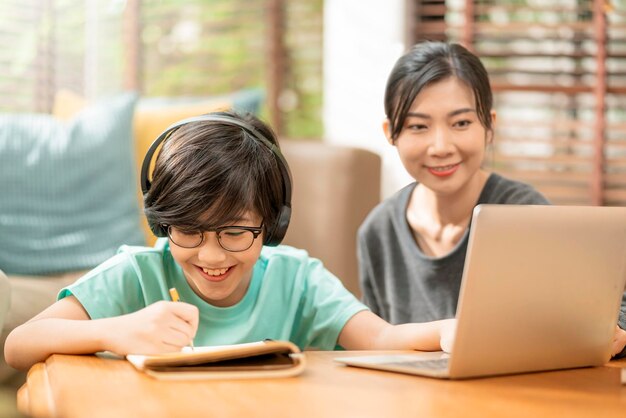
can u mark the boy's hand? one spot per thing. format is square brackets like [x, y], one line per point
[158, 328]
[619, 341]
[447, 332]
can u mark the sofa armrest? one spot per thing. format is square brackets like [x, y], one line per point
[5, 298]
[335, 187]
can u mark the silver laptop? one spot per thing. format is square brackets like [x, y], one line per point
[541, 290]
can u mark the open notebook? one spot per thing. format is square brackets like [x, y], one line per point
[263, 359]
[541, 290]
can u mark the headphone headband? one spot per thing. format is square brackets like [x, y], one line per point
[277, 231]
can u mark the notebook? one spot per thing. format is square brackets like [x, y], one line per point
[541, 290]
[262, 359]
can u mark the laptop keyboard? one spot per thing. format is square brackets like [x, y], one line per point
[438, 364]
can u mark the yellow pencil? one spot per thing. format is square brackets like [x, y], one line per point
[176, 298]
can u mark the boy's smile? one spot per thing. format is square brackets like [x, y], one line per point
[215, 274]
[219, 276]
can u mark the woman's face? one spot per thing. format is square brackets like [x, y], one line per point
[442, 142]
[218, 276]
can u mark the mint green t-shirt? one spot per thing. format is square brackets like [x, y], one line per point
[291, 296]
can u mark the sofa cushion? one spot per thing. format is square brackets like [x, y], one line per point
[67, 195]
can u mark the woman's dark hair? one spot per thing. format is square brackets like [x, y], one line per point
[430, 62]
[208, 173]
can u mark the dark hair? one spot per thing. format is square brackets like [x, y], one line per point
[208, 173]
[430, 62]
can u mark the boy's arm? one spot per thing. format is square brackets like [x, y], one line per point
[61, 328]
[366, 277]
[367, 331]
[65, 328]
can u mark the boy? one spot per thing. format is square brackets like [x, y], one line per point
[220, 190]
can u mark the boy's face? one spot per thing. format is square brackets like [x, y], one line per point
[218, 276]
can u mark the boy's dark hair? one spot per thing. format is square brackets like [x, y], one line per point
[427, 63]
[208, 173]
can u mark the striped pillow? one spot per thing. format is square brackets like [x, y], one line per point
[67, 189]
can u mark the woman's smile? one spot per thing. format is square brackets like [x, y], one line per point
[443, 170]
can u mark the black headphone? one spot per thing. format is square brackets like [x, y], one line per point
[275, 232]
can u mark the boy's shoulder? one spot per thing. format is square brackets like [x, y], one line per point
[128, 256]
[287, 260]
[160, 246]
[302, 271]
[284, 253]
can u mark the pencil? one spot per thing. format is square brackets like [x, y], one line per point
[176, 298]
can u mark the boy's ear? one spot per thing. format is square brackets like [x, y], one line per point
[387, 131]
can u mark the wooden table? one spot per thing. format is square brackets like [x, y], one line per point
[88, 386]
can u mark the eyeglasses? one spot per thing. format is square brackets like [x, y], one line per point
[231, 238]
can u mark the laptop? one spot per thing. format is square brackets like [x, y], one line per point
[541, 290]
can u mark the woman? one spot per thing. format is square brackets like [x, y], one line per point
[438, 104]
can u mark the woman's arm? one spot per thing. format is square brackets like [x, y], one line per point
[367, 331]
[65, 328]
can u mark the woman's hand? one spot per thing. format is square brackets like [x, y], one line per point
[158, 328]
[447, 333]
[619, 341]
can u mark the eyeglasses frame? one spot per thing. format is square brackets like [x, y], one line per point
[256, 231]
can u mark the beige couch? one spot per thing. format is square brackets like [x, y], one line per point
[334, 189]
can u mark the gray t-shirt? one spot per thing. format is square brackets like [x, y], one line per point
[402, 284]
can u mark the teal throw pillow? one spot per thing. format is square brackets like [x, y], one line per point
[68, 189]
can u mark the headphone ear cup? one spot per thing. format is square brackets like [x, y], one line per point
[276, 234]
[156, 228]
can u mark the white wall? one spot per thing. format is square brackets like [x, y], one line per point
[362, 41]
